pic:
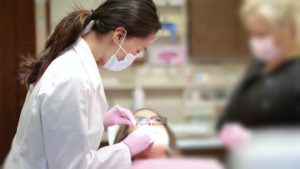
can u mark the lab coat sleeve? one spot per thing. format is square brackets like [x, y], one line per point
[64, 116]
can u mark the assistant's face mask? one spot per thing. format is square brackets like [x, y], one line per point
[265, 49]
[114, 64]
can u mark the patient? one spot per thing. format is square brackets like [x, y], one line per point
[164, 145]
[163, 153]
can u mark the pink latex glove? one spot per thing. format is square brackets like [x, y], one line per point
[139, 140]
[113, 117]
[234, 135]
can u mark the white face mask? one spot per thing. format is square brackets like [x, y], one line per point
[114, 64]
[160, 136]
[265, 49]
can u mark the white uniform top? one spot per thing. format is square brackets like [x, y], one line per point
[61, 123]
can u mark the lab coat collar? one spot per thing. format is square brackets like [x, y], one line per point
[88, 61]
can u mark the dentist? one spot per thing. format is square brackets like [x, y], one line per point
[65, 112]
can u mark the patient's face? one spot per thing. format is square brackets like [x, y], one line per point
[159, 148]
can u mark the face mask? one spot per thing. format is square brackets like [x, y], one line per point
[114, 64]
[160, 136]
[265, 49]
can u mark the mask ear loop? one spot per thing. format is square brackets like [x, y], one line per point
[120, 47]
[123, 50]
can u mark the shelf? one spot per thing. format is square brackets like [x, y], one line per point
[170, 3]
[166, 86]
[200, 143]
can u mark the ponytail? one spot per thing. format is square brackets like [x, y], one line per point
[138, 17]
[60, 40]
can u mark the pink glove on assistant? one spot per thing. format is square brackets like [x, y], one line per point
[113, 117]
[234, 135]
[139, 140]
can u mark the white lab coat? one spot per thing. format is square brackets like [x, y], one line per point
[61, 123]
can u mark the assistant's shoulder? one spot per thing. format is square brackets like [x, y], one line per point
[295, 64]
[292, 68]
[255, 65]
[293, 74]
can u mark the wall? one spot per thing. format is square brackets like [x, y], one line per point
[41, 25]
[59, 8]
[17, 36]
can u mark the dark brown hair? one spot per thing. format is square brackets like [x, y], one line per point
[173, 151]
[138, 17]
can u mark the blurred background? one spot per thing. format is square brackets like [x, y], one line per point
[186, 75]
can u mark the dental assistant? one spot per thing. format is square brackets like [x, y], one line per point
[65, 112]
[269, 94]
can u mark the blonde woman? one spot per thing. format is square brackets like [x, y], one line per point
[269, 94]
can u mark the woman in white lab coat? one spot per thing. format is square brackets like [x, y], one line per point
[65, 112]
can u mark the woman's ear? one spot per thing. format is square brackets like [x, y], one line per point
[118, 35]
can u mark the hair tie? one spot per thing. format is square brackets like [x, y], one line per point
[93, 15]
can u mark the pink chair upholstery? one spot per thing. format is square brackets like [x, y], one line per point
[177, 164]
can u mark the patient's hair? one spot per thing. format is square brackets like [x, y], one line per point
[173, 149]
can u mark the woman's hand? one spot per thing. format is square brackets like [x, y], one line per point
[234, 135]
[113, 117]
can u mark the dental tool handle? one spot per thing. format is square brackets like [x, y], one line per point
[125, 117]
[118, 115]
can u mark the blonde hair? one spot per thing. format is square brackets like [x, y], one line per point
[276, 12]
